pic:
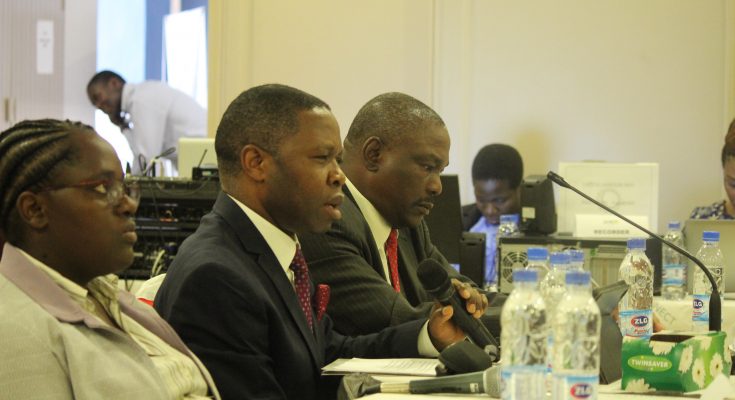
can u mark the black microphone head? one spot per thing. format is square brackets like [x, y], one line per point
[433, 277]
[556, 178]
[464, 356]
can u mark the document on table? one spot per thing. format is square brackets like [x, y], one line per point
[384, 366]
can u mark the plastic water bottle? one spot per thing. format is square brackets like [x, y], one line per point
[552, 287]
[525, 329]
[673, 284]
[576, 353]
[508, 227]
[711, 257]
[636, 316]
[538, 261]
[576, 260]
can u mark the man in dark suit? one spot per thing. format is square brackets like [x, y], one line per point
[497, 173]
[238, 291]
[395, 150]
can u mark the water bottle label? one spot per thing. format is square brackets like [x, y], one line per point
[576, 387]
[523, 382]
[700, 308]
[638, 323]
[674, 274]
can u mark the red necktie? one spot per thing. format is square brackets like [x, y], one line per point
[302, 284]
[391, 253]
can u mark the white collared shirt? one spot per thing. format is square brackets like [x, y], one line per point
[379, 227]
[160, 115]
[282, 245]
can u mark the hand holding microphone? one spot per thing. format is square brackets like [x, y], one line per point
[436, 282]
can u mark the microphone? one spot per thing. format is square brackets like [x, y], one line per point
[486, 382]
[152, 162]
[436, 282]
[463, 357]
[715, 307]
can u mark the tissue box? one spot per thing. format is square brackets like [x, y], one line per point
[681, 362]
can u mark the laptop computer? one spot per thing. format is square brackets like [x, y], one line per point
[693, 241]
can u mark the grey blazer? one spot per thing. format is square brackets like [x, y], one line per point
[53, 349]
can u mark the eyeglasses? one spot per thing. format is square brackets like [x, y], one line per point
[112, 188]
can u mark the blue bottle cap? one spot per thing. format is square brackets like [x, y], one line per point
[525, 275]
[711, 236]
[674, 225]
[578, 278]
[637, 243]
[576, 255]
[558, 257]
[537, 253]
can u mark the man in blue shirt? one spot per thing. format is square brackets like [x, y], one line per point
[497, 171]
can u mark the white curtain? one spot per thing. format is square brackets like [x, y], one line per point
[185, 52]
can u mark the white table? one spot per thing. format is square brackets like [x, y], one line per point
[606, 392]
[676, 315]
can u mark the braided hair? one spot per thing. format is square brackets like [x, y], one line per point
[31, 151]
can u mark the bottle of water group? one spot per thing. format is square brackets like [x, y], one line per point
[524, 335]
[636, 315]
[553, 286]
[711, 257]
[508, 227]
[538, 260]
[673, 284]
[576, 260]
[576, 353]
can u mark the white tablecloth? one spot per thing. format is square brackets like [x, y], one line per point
[676, 315]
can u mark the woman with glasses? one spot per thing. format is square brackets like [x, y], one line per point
[66, 331]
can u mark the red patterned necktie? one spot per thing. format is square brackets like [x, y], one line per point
[302, 284]
[391, 253]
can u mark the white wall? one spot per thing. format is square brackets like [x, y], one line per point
[341, 51]
[570, 80]
[80, 58]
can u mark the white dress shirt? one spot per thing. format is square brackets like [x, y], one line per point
[159, 116]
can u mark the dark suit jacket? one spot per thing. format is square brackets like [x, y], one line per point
[347, 259]
[470, 216]
[230, 301]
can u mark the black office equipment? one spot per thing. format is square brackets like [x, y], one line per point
[472, 256]
[168, 212]
[445, 219]
[538, 210]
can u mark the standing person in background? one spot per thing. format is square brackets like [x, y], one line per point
[395, 151]
[238, 291]
[497, 172]
[67, 331]
[151, 115]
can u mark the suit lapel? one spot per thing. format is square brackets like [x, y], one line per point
[254, 243]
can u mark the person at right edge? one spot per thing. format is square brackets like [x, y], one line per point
[395, 150]
[723, 209]
[238, 292]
